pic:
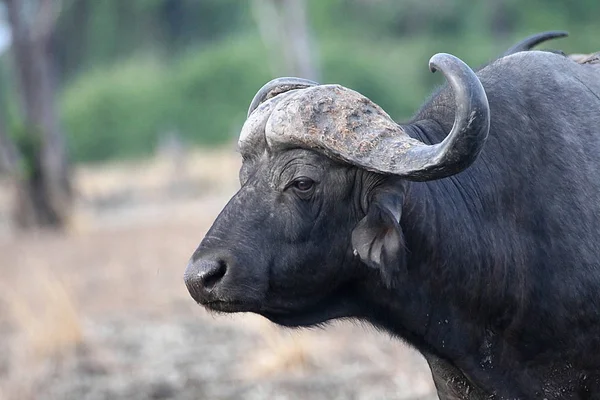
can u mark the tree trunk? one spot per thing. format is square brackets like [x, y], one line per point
[43, 192]
[284, 28]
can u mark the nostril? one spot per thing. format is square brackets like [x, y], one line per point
[203, 275]
[213, 275]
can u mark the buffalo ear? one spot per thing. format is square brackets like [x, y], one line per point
[378, 238]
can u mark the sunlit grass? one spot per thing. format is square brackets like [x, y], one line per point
[46, 316]
[280, 352]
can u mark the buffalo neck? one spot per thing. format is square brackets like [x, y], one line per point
[462, 279]
[462, 235]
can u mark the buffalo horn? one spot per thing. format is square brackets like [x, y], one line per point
[345, 125]
[276, 87]
[531, 41]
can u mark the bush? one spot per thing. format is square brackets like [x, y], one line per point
[115, 112]
[204, 95]
[121, 111]
[392, 73]
[211, 90]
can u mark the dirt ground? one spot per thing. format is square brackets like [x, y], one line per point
[101, 311]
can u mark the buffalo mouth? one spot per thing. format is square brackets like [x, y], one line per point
[335, 306]
[292, 317]
[233, 306]
[308, 317]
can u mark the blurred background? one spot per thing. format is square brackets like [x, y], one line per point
[118, 123]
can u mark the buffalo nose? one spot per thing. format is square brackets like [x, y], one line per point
[203, 275]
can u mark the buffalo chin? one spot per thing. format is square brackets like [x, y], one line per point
[335, 306]
[316, 314]
[297, 320]
[229, 306]
[290, 318]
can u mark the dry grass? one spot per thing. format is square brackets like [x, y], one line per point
[126, 192]
[208, 170]
[280, 352]
[111, 256]
[45, 315]
[47, 331]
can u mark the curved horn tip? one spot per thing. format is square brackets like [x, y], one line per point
[438, 60]
[277, 86]
[547, 35]
[533, 40]
[559, 33]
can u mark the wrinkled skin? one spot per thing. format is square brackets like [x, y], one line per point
[493, 273]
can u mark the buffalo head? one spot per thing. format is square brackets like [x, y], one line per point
[318, 213]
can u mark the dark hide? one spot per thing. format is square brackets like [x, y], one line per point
[493, 273]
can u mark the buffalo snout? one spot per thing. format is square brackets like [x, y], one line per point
[203, 276]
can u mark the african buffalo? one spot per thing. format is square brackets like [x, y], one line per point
[472, 231]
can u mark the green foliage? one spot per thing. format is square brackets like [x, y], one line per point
[122, 111]
[92, 33]
[207, 60]
[211, 90]
[27, 141]
[115, 112]
[381, 71]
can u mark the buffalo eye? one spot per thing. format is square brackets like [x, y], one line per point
[302, 185]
